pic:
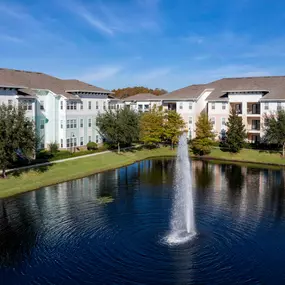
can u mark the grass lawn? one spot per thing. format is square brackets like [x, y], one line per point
[44, 176]
[248, 155]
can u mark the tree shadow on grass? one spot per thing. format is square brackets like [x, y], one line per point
[39, 169]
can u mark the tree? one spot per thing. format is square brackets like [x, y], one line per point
[274, 128]
[119, 126]
[151, 127]
[236, 133]
[204, 136]
[17, 136]
[131, 91]
[173, 126]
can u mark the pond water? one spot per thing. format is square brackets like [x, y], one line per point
[109, 228]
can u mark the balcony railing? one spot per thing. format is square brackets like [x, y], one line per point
[253, 112]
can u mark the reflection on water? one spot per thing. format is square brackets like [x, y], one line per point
[63, 235]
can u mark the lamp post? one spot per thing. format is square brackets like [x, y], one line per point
[72, 143]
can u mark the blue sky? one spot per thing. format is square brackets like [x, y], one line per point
[157, 43]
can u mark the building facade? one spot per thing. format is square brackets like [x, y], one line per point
[64, 111]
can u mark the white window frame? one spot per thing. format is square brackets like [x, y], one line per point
[266, 106]
[190, 105]
[213, 106]
[42, 124]
[81, 141]
[89, 123]
[224, 106]
[180, 105]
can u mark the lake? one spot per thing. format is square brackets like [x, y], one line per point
[109, 228]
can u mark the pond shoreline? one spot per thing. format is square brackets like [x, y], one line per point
[49, 175]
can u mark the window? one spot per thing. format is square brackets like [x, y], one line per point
[190, 121]
[61, 124]
[97, 138]
[71, 106]
[42, 124]
[42, 105]
[27, 104]
[97, 105]
[279, 107]
[266, 106]
[89, 139]
[213, 106]
[10, 103]
[104, 105]
[81, 123]
[81, 141]
[213, 121]
[146, 107]
[89, 123]
[67, 143]
[190, 105]
[224, 106]
[61, 143]
[118, 106]
[81, 106]
[61, 105]
[180, 105]
[223, 121]
[71, 124]
[140, 107]
[89, 105]
[42, 145]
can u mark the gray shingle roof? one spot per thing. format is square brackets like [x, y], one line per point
[38, 80]
[143, 97]
[272, 86]
[191, 92]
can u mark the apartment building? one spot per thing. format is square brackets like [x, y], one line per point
[64, 111]
[251, 97]
[142, 102]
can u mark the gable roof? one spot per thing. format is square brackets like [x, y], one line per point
[143, 97]
[37, 80]
[191, 92]
[273, 87]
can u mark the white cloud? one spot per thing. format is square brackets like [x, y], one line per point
[8, 38]
[93, 21]
[152, 74]
[101, 73]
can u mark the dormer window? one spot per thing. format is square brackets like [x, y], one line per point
[71, 106]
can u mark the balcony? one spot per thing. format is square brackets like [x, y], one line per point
[253, 108]
[253, 126]
[237, 107]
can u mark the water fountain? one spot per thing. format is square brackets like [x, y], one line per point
[182, 227]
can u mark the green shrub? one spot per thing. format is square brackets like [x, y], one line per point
[92, 146]
[53, 147]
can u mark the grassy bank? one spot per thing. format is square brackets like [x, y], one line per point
[248, 155]
[44, 176]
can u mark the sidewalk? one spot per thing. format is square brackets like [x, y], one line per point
[63, 160]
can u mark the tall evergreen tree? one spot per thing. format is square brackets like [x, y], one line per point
[17, 135]
[275, 129]
[173, 126]
[236, 133]
[119, 126]
[203, 141]
[151, 127]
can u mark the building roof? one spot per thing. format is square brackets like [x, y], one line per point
[191, 92]
[273, 87]
[37, 80]
[143, 97]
